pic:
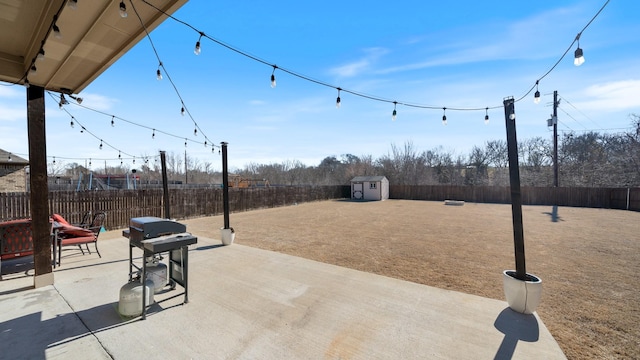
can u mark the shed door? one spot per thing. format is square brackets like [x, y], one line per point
[356, 191]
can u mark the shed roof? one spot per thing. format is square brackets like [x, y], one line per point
[368, 178]
[11, 159]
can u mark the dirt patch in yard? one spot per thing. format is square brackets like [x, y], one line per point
[588, 259]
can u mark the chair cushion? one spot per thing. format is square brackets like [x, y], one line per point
[59, 219]
[77, 240]
[67, 231]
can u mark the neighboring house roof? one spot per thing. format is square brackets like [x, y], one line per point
[8, 158]
[368, 178]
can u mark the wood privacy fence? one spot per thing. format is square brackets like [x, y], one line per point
[122, 205]
[608, 198]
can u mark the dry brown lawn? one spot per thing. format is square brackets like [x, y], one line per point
[588, 260]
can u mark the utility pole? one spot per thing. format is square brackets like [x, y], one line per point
[555, 138]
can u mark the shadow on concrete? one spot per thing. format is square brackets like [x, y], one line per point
[554, 214]
[515, 327]
[208, 247]
[16, 266]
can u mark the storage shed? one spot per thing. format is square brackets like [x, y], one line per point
[369, 188]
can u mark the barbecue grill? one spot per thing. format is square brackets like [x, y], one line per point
[153, 236]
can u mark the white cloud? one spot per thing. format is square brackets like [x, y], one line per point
[97, 101]
[12, 113]
[12, 92]
[357, 67]
[616, 95]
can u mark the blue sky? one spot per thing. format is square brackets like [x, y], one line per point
[455, 54]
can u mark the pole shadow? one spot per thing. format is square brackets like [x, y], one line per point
[554, 214]
[515, 327]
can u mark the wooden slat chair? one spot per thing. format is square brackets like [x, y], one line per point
[77, 236]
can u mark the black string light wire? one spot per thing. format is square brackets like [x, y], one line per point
[184, 108]
[372, 97]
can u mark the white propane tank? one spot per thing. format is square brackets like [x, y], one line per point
[157, 273]
[130, 303]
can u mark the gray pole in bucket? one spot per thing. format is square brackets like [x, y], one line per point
[225, 185]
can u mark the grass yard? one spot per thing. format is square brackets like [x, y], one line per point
[587, 259]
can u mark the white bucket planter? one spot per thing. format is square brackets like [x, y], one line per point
[227, 235]
[522, 296]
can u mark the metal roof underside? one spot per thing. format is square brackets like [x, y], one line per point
[94, 36]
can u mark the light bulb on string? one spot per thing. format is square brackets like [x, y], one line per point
[153, 134]
[113, 123]
[182, 111]
[536, 96]
[123, 10]
[273, 76]
[56, 30]
[89, 162]
[100, 144]
[119, 155]
[82, 130]
[394, 114]
[158, 74]
[197, 50]
[444, 116]
[73, 4]
[26, 83]
[195, 132]
[40, 55]
[134, 160]
[54, 160]
[578, 54]
[338, 99]
[486, 116]
[185, 142]
[205, 143]
[72, 123]
[33, 70]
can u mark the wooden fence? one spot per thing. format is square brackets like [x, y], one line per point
[608, 198]
[122, 205]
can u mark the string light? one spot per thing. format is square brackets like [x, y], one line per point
[123, 10]
[486, 116]
[63, 101]
[273, 76]
[394, 114]
[205, 143]
[338, 99]
[182, 111]
[195, 132]
[54, 160]
[185, 142]
[159, 73]
[82, 130]
[72, 123]
[113, 123]
[40, 55]
[73, 4]
[578, 54]
[153, 134]
[536, 96]
[56, 30]
[33, 70]
[197, 48]
[76, 98]
[354, 92]
[100, 144]
[26, 83]
[9, 157]
[89, 162]
[444, 116]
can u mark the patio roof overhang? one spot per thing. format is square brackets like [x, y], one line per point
[94, 36]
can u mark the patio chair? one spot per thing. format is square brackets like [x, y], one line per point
[77, 236]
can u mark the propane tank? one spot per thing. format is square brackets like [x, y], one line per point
[157, 273]
[130, 303]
